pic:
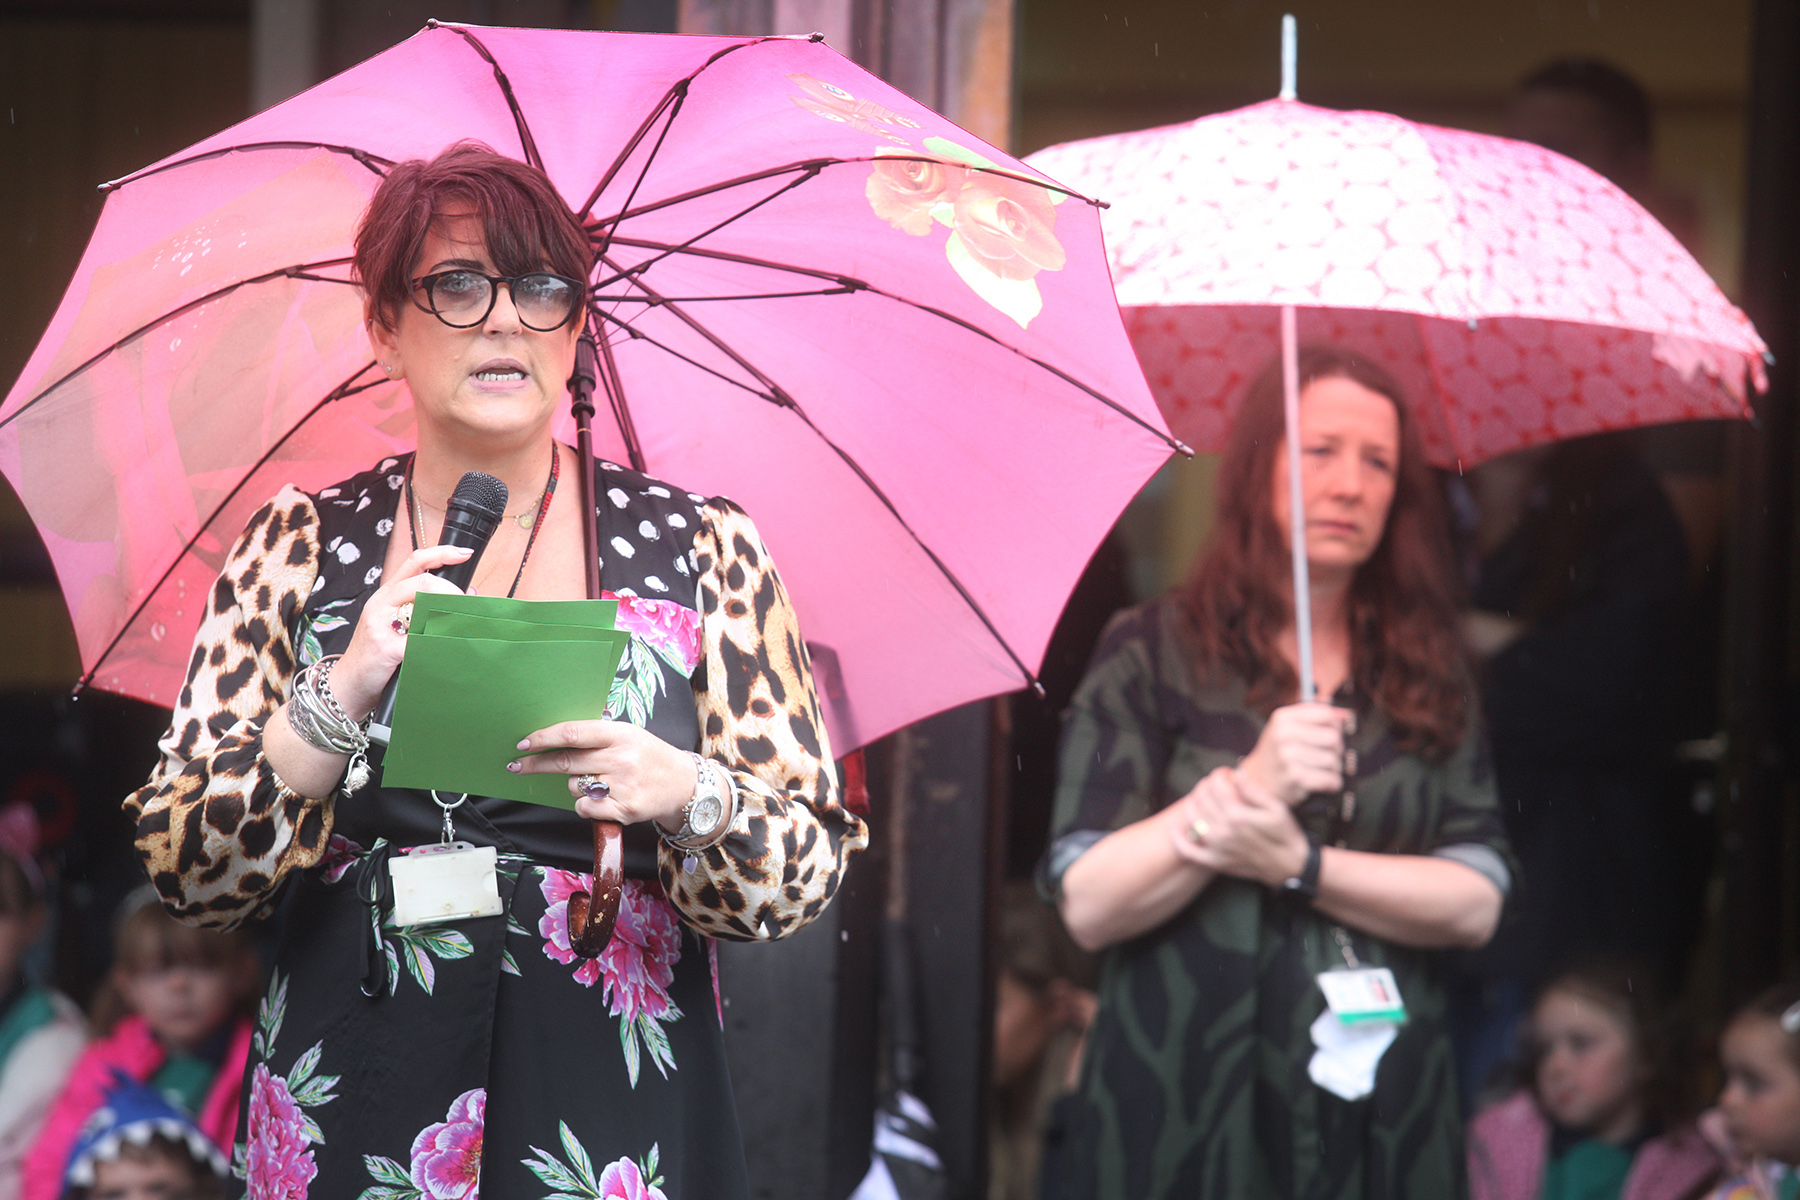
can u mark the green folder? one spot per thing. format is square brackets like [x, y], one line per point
[480, 673]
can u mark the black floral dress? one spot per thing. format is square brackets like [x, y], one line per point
[484, 1055]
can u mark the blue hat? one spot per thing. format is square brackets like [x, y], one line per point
[135, 1113]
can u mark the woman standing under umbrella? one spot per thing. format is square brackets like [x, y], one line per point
[430, 1060]
[1225, 851]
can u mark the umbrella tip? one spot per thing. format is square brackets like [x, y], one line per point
[1289, 37]
[1183, 449]
[815, 36]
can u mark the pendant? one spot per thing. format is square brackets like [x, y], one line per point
[527, 519]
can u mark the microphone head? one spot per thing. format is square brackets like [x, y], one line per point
[480, 491]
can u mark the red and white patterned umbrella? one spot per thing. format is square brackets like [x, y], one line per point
[1518, 296]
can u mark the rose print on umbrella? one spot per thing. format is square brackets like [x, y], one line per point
[637, 966]
[832, 102]
[621, 1180]
[276, 1161]
[445, 1161]
[1002, 227]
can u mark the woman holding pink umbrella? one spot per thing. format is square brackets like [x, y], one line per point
[436, 1060]
[1263, 877]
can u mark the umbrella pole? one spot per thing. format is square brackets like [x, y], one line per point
[1290, 394]
[592, 915]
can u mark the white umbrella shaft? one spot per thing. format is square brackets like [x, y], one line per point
[1290, 393]
[1289, 53]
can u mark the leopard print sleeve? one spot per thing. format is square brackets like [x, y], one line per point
[760, 719]
[216, 828]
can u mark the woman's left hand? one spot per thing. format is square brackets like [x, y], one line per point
[1239, 828]
[644, 778]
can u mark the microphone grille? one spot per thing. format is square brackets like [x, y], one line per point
[479, 490]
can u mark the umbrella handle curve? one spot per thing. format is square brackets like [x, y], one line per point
[592, 915]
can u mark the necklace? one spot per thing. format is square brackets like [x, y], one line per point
[532, 518]
[526, 517]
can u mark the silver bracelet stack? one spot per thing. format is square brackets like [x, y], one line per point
[321, 722]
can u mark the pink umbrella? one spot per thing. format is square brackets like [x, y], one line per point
[1517, 296]
[894, 345]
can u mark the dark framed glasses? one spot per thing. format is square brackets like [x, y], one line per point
[462, 298]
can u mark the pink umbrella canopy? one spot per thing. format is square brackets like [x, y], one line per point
[894, 345]
[1516, 295]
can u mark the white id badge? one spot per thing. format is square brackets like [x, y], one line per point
[1363, 994]
[444, 882]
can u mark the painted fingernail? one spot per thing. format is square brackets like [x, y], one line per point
[523, 745]
[513, 767]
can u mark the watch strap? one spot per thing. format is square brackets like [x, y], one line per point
[1305, 885]
[706, 783]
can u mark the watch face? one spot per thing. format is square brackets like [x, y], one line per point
[704, 816]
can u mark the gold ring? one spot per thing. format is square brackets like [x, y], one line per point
[1198, 830]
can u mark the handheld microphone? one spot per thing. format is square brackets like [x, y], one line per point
[470, 519]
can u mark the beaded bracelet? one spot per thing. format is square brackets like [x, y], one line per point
[321, 722]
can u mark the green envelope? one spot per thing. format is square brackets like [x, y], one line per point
[480, 673]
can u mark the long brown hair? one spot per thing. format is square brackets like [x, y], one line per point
[1405, 651]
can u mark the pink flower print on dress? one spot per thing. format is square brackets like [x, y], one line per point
[670, 629]
[340, 855]
[623, 1181]
[278, 1165]
[446, 1157]
[557, 885]
[639, 963]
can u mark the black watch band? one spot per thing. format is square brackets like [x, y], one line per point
[1305, 885]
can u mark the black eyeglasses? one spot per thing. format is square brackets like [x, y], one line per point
[462, 298]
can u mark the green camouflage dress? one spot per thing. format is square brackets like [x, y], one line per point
[1195, 1081]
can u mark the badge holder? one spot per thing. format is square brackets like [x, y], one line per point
[446, 882]
[1357, 994]
[1363, 1016]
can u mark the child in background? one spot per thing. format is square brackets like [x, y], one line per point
[1761, 1100]
[176, 1019]
[1600, 1117]
[137, 1146]
[41, 1031]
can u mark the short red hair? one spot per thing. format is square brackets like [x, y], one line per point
[524, 221]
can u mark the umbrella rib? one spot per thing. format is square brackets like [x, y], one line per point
[780, 397]
[301, 271]
[347, 388]
[809, 167]
[374, 162]
[615, 396]
[641, 336]
[630, 299]
[673, 96]
[776, 394]
[672, 103]
[677, 91]
[848, 284]
[813, 166]
[526, 142]
[636, 270]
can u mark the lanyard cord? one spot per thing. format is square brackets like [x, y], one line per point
[415, 520]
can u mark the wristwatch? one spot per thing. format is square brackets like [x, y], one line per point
[1305, 885]
[703, 817]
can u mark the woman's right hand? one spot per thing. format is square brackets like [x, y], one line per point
[1301, 751]
[379, 643]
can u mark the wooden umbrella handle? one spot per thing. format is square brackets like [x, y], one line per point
[591, 917]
